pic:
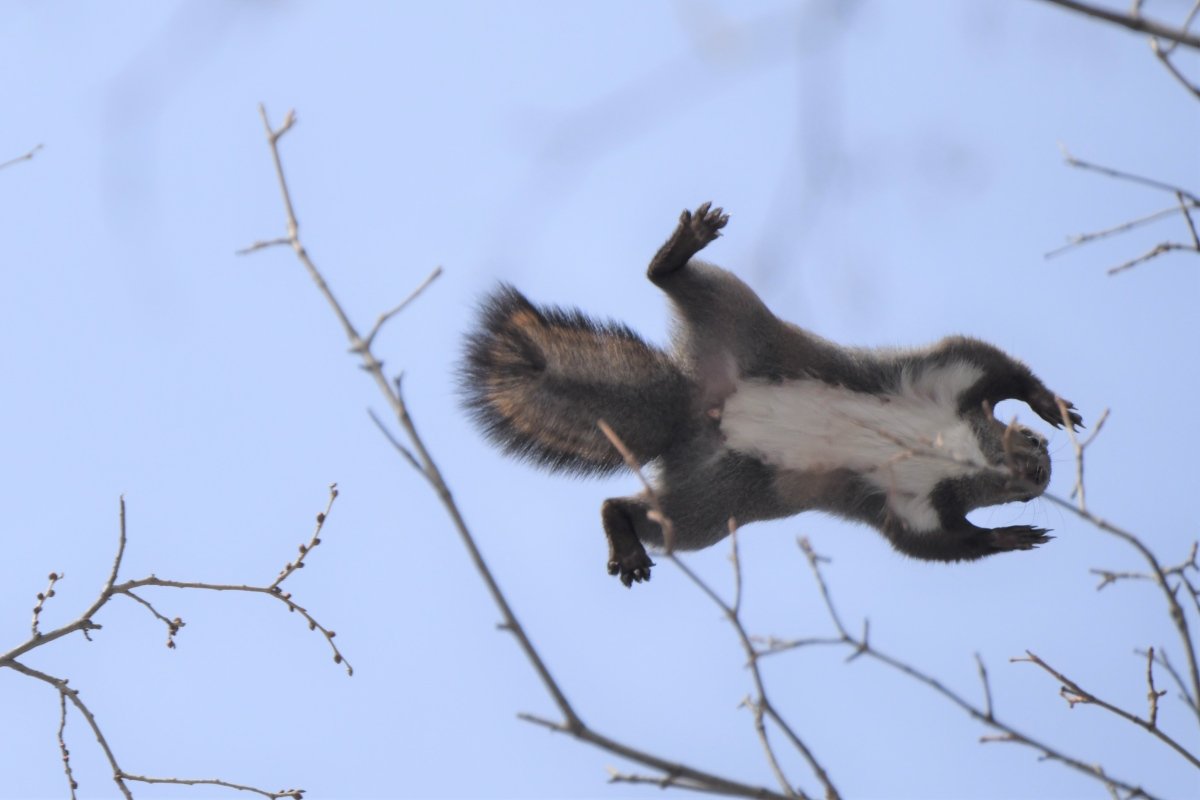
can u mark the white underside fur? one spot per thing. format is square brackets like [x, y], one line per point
[904, 443]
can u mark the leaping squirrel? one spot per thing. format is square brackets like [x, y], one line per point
[752, 418]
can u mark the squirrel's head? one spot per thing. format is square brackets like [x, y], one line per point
[1018, 458]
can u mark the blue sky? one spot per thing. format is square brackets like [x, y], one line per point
[893, 175]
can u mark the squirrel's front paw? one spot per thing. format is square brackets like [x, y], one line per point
[631, 566]
[1017, 537]
[1045, 405]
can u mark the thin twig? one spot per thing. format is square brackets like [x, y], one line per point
[1186, 26]
[396, 443]
[714, 784]
[1152, 183]
[1136, 23]
[1079, 447]
[1164, 56]
[1164, 52]
[84, 622]
[1185, 203]
[735, 559]
[986, 715]
[1083, 238]
[1175, 611]
[42, 597]
[269, 591]
[1165, 662]
[1186, 209]
[1076, 694]
[1154, 252]
[1152, 694]
[24, 157]
[987, 688]
[62, 744]
[67, 692]
[305, 549]
[295, 794]
[403, 304]
[761, 704]
[173, 625]
[656, 510]
[1158, 573]
[664, 782]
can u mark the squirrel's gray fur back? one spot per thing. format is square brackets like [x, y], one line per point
[753, 418]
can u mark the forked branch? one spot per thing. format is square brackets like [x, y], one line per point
[85, 624]
[1186, 206]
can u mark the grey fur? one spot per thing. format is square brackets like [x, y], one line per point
[537, 379]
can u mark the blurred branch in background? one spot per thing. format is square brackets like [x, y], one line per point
[1134, 21]
[85, 624]
[28, 156]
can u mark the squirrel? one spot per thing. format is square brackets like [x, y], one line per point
[749, 417]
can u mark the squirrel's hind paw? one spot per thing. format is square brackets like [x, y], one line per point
[632, 567]
[628, 560]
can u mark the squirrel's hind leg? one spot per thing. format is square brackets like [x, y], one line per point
[695, 230]
[623, 518]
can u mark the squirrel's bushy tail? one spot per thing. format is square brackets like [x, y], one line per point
[538, 379]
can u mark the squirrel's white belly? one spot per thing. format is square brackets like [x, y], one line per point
[905, 443]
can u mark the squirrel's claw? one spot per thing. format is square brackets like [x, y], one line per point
[1017, 537]
[631, 567]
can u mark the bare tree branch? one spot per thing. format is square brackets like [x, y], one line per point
[295, 794]
[403, 304]
[656, 511]
[1083, 238]
[760, 706]
[62, 744]
[1075, 694]
[1152, 694]
[1158, 573]
[674, 774]
[1133, 22]
[1164, 56]
[1131, 177]
[42, 597]
[860, 646]
[1161, 658]
[70, 694]
[1186, 203]
[24, 157]
[422, 460]
[84, 623]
